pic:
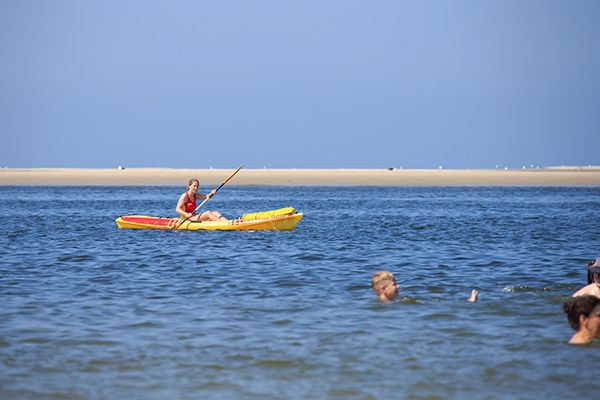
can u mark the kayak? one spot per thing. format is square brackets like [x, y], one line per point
[283, 219]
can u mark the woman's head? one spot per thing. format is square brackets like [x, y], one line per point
[192, 182]
[581, 310]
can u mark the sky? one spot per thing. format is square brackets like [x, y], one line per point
[299, 84]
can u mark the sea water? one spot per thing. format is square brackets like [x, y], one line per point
[88, 311]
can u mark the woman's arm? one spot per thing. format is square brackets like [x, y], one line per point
[206, 196]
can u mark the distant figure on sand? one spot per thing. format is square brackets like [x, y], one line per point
[187, 204]
[385, 286]
[593, 280]
[583, 314]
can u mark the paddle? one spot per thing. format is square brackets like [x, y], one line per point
[206, 199]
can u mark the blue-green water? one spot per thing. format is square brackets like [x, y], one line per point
[89, 311]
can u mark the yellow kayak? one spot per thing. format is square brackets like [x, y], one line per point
[283, 219]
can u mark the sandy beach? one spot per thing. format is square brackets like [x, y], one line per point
[561, 176]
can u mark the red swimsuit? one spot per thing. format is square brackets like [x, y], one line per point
[190, 205]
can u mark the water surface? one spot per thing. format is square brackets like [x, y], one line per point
[93, 312]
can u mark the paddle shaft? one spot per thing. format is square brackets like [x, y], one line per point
[216, 190]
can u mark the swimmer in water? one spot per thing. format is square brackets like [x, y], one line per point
[583, 314]
[593, 278]
[385, 286]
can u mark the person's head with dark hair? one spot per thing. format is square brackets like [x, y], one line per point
[593, 278]
[593, 271]
[583, 314]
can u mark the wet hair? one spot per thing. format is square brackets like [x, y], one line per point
[192, 181]
[593, 269]
[379, 277]
[582, 305]
[593, 274]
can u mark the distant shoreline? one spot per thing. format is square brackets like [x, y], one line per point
[555, 176]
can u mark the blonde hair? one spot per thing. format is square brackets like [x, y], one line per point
[379, 277]
[192, 181]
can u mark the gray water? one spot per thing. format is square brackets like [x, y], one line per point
[89, 311]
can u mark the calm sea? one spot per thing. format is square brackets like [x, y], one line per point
[89, 311]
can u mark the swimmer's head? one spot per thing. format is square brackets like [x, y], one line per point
[593, 271]
[580, 309]
[384, 284]
[594, 275]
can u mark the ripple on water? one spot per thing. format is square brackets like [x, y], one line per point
[310, 257]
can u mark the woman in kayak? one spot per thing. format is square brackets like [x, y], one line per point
[187, 204]
[583, 314]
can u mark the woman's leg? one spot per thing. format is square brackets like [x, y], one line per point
[211, 216]
[218, 217]
[195, 218]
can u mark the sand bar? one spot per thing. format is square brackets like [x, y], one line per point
[583, 176]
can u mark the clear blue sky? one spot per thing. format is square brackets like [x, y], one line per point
[299, 84]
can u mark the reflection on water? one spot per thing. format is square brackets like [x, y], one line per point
[90, 311]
